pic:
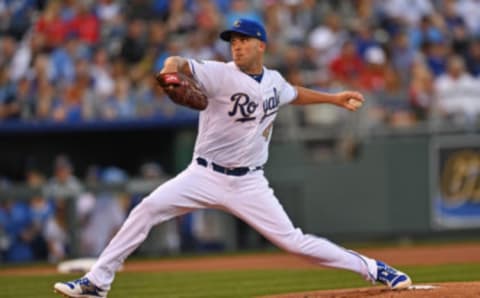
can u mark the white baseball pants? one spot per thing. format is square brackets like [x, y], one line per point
[248, 197]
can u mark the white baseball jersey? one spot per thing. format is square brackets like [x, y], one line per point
[235, 129]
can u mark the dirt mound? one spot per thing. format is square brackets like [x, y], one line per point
[440, 290]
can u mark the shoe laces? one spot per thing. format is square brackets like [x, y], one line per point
[82, 282]
[389, 269]
[386, 274]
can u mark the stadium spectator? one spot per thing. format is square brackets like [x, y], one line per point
[328, 38]
[152, 102]
[51, 25]
[63, 185]
[157, 36]
[470, 11]
[100, 71]
[119, 105]
[426, 32]
[421, 90]
[63, 188]
[456, 27]
[207, 16]
[4, 239]
[22, 222]
[55, 232]
[458, 93]
[145, 9]
[402, 55]
[18, 229]
[473, 58]
[394, 100]
[85, 24]
[26, 99]
[67, 107]
[17, 16]
[108, 11]
[372, 77]
[32, 45]
[8, 46]
[197, 48]
[10, 107]
[102, 213]
[134, 45]
[407, 12]
[180, 20]
[45, 97]
[364, 38]
[62, 61]
[41, 210]
[291, 20]
[241, 9]
[174, 46]
[347, 66]
[436, 54]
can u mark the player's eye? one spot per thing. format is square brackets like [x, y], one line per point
[240, 39]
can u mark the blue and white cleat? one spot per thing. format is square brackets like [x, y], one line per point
[80, 288]
[391, 277]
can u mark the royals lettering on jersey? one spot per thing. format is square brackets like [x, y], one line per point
[236, 127]
[271, 105]
[244, 106]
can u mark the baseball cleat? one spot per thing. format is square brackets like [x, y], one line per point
[391, 277]
[80, 288]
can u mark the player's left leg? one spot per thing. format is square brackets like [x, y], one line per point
[258, 206]
[194, 188]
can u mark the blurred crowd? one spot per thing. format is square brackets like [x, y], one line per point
[84, 60]
[38, 223]
[64, 215]
[73, 60]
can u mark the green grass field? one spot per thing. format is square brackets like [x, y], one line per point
[230, 283]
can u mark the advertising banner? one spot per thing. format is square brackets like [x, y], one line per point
[455, 181]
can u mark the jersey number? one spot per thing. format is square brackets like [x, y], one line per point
[267, 131]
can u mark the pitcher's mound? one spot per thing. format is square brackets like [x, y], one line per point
[440, 290]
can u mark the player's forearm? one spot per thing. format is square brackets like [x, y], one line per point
[308, 96]
[176, 64]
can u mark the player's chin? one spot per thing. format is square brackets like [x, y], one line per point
[238, 63]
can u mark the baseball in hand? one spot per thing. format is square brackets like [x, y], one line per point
[354, 102]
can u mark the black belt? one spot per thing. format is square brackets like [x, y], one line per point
[240, 171]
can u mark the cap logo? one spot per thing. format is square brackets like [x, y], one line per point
[237, 23]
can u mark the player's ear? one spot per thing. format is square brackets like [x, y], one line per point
[262, 46]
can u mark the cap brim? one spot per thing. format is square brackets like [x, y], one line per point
[227, 34]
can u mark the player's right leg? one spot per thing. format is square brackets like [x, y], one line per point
[192, 189]
[259, 207]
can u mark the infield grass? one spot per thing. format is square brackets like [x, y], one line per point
[230, 283]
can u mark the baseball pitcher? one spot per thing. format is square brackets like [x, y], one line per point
[238, 102]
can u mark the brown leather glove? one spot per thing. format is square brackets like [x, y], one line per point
[183, 90]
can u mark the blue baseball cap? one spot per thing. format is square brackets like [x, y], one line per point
[246, 27]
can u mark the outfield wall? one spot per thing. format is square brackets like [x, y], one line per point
[384, 190]
[394, 186]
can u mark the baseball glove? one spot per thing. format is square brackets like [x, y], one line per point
[183, 90]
